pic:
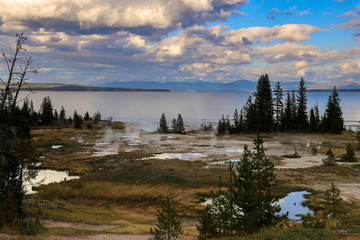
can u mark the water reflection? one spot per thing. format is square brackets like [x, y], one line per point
[47, 176]
[292, 204]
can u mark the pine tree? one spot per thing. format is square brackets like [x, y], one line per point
[78, 120]
[293, 107]
[287, 118]
[264, 104]
[56, 116]
[332, 196]
[97, 117]
[163, 127]
[312, 123]
[248, 203]
[180, 128]
[168, 225]
[250, 116]
[278, 92]
[333, 113]
[350, 154]
[86, 116]
[46, 110]
[174, 126]
[302, 120]
[62, 115]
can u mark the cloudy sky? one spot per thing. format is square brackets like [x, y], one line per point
[93, 42]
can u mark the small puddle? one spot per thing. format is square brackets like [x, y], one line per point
[56, 146]
[292, 204]
[47, 176]
[181, 156]
[235, 150]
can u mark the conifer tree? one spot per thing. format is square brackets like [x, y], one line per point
[56, 116]
[350, 154]
[278, 92]
[174, 126]
[264, 104]
[293, 107]
[332, 196]
[46, 110]
[333, 113]
[97, 117]
[168, 225]
[248, 203]
[312, 123]
[286, 124]
[250, 116]
[86, 116]
[62, 115]
[180, 128]
[163, 127]
[302, 119]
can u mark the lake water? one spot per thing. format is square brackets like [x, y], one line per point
[145, 108]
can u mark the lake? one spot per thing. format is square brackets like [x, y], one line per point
[145, 108]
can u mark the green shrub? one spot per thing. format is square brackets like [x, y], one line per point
[30, 227]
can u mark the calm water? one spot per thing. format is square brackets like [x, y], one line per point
[145, 108]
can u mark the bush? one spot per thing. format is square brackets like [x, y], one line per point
[310, 222]
[350, 154]
[31, 228]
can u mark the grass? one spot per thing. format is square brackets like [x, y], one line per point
[122, 191]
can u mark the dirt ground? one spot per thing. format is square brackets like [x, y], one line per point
[307, 172]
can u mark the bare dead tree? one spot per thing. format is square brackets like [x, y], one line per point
[18, 69]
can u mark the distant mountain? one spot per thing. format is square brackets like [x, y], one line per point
[201, 86]
[351, 86]
[83, 88]
[198, 86]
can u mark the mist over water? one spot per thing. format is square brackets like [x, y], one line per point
[144, 109]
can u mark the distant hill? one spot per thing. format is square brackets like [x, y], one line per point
[351, 86]
[201, 86]
[198, 86]
[71, 87]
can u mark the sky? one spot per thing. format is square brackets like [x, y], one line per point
[94, 42]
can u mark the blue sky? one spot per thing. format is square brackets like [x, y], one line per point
[92, 42]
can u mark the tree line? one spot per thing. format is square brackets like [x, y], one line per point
[48, 116]
[268, 111]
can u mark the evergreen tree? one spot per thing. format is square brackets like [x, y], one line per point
[264, 104]
[236, 122]
[56, 116]
[250, 115]
[287, 118]
[278, 92]
[248, 203]
[332, 196]
[163, 127]
[86, 116]
[180, 128]
[333, 114]
[312, 124]
[350, 154]
[62, 115]
[78, 120]
[168, 225]
[302, 120]
[97, 117]
[174, 125]
[293, 107]
[46, 111]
